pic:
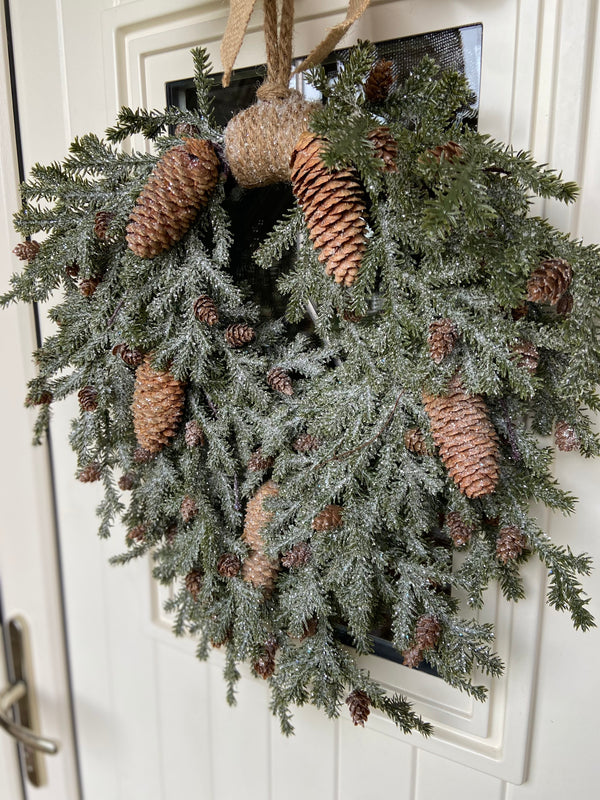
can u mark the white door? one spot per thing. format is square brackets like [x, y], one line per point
[152, 722]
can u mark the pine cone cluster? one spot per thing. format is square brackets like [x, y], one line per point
[180, 183]
[239, 334]
[258, 568]
[526, 355]
[328, 519]
[90, 473]
[27, 251]
[280, 381]
[88, 286]
[386, 147]
[257, 462]
[441, 340]
[130, 355]
[510, 543]
[102, 222]
[414, 440]
[137, 534]
[379, 81]
[205, 310]
[334, 208]
[88, 398]
[358, 702]
[194, 435]
[565, 437]
[298, 556]
[468, 444]
[229, 565]
[188, 508]
[459, 531]
[157, 406]
[193, 582]
[127, 481]
[305, 443]
[549, 281]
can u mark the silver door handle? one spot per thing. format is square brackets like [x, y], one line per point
[8, 698]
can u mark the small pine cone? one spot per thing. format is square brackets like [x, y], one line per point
[130, 355]
[239, 334]
[181, 182]
[386, 147]
[358, 703]
[526, 355]
[88, 398]
[142, 456]
[379, 81]
[229, 565]
[549, 281]
[510, 544]
[264, 666]
[565, 304]
[350, 316]
[157, 406]
[310, 628]
[459, 531]
[427, 632]
[127, 481]
[205, 310]
[90, 473]
[451, 151]
[306, 443]
[188, 508]
[414, 440]
[27, 251]
[520, 312]
[442, 338]
[280, 381]
[412, 657]
[72, 269]
[334, 207]
[194, 435]
[298, 556]
[88, 286]
[137, 534]
[258, 568]
[102, 222]
[258, 462]
[171, 533]
[186, 129]
[467, 441]
[193, 582]
[565, 437]
[42, 399]
[328, 519]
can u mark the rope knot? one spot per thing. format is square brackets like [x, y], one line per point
[270, 90]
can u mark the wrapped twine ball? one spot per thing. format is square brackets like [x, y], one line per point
[260, 139]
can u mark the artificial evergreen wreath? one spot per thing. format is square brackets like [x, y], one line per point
[292, 479]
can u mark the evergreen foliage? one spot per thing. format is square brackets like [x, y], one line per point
[448, 238]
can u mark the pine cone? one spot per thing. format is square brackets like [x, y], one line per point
[414, 440]
[279, 380]
[334, 208]
[137, 534]
[310, 628]
[328, 519]
[258, 569]
[358, 703]
[90, 473]
[188, 508]
[185, 129]
[157, 406]
[427, 632]
[298, 556]
[205, 310]
[412, 657]
[565, 304]
[171, 533]
[442, 338]
[127, 481]
[41, 399]
[141, 456]
[239, 334]
[258, 462]
[180, 183]
[451, 151]
[88, 286]
[193, 582]
[194, 435]
[520, 312]
[565, 437]
[72, 269]
[526, 355]
[27, 251]
[379, 81]
[88, 398]
[306, 443]
[229, 565]
[265, 664]
[510, 544]
[102, 222]
[386, 147]
[130, 355]
[459, 531]
[549, 281]
[468, 443]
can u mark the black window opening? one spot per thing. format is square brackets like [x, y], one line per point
[255, 211]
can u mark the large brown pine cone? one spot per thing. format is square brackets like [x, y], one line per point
[328, 519]
[258, 569]
[279, 380]
[180, 183]
[157, 406]
[88, 398]
[358, 703]
[526, 355]
[194, 435]
[379, 81]
[465, 436]
[386, 147]
[427, 632]
[549, 281]
[239, 334]
[130, 355]
[205, 310]
[510, 544]
[565, 437]
[414, 440]
[298, 556]
[459, 531]
[334, 208]
[27, 251]
[193, 582]
[442, 338]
